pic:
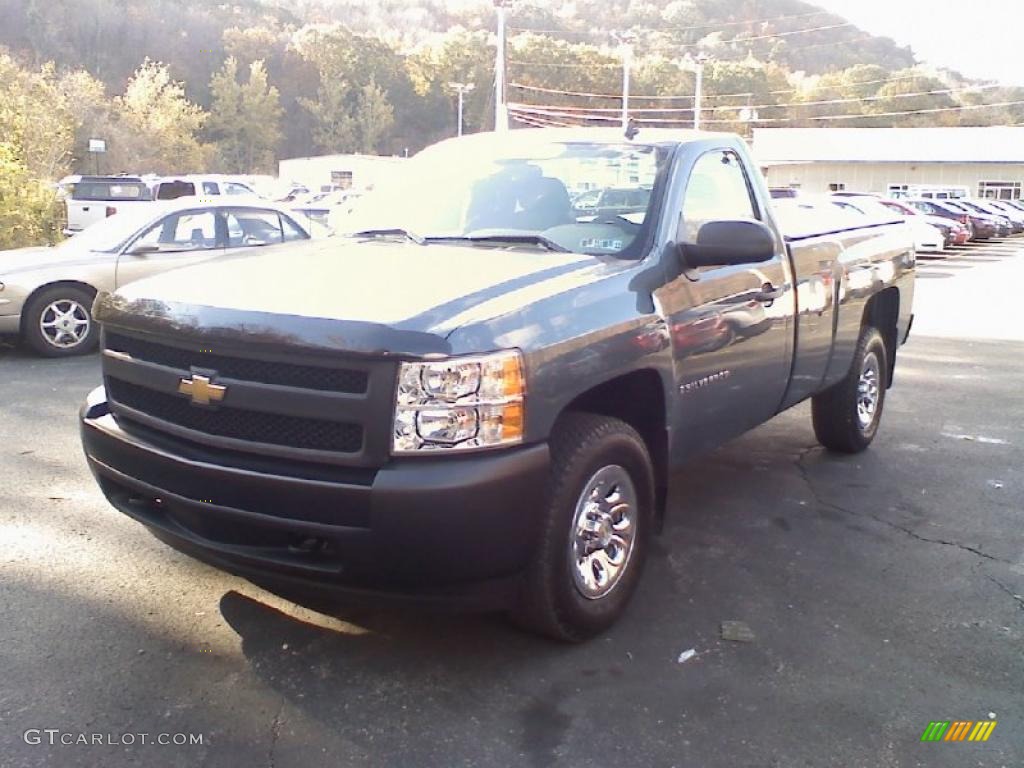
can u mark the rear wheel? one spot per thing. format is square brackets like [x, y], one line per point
[594, 531]
[58, 322]
[846, 416]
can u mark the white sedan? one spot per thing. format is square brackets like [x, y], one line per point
[46, 294]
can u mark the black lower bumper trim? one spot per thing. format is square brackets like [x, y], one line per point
[419, 525]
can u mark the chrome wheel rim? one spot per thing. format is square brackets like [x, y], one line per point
[603, 532]
[64, 323]
[868, 392]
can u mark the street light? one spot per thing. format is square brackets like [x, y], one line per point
[500, 110]
[626, 51]
[701, 60]
[462, 89]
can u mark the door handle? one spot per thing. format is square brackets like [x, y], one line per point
[770, 293]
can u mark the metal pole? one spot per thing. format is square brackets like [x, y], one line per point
[500, 111]
[461, 89]
[627, 63]
[698, 87]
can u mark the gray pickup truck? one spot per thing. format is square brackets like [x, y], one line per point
[482, 390]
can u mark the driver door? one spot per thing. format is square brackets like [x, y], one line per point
[177, 240]
[732, 346]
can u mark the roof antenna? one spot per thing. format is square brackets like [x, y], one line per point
[632, 129]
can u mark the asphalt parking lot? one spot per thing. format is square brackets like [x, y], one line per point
[883, 591]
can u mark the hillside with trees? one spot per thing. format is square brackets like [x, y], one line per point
[176, 86]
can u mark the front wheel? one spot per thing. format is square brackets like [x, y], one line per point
[58, 322]
[594, 531]
[846, 416]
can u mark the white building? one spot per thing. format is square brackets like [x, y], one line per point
[983, 162]
[326, 172]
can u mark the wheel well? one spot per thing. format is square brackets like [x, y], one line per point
[68, 283]
[637, 398]
[882, 312]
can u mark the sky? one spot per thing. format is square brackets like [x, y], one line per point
[979, 38]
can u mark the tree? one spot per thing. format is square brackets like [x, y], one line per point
[30, 213]
[34, 119]
[333, 126]
[163, 124]
[245, 118]
[373, 118]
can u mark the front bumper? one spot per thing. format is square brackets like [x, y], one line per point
[416, 526]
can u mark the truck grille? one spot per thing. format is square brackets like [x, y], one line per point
[303, 376]
[269, 428]
[322, 407]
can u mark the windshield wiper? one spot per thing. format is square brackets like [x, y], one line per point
[393, 232]
[515, 239]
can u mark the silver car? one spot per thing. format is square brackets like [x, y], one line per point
[46, 294]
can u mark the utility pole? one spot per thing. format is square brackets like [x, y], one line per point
[462, 89]
[500, 110]
[698, 88]
[627, 64]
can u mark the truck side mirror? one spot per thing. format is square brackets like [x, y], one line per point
[723, 243]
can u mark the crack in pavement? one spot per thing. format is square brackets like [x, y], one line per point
[805, 474]
[275, 734]
[1007, 590]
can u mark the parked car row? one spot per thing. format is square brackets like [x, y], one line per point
[46, 294]
[984, 218]
[936, 223]
[89, 199]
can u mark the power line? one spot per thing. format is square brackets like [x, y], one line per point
[793, 104]
[616, 65]
[588, 94]
[821, 102]
[543, 112]
[933, 110]
[687, 28]
[539, 89]
[763, 37]
[698, 45]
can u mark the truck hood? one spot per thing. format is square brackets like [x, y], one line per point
[375, 297]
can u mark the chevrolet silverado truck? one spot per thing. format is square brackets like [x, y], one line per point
[479, 391]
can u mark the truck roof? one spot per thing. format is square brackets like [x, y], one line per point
[531, 136]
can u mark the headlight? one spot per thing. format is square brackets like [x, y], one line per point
[460, 403]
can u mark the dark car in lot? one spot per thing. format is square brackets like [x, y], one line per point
[997, 207]
[982, 226]
[1007, 226]
[953, 232]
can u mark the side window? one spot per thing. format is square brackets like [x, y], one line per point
[717, 189]
[252, 226]
[172, 190]
[292, 231]
[231, 188]
[210, 188]
[185, 231]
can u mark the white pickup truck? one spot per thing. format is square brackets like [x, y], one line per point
[93, 198]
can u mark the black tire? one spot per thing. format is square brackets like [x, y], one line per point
[582, 446]
[42, 343]
[839, 424]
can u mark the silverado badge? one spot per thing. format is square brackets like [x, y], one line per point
[201, 390]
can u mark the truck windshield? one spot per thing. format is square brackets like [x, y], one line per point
[583, 197]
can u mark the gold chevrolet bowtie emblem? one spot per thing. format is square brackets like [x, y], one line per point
[201, 390]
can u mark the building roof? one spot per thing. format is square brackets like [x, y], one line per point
[889, 145]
